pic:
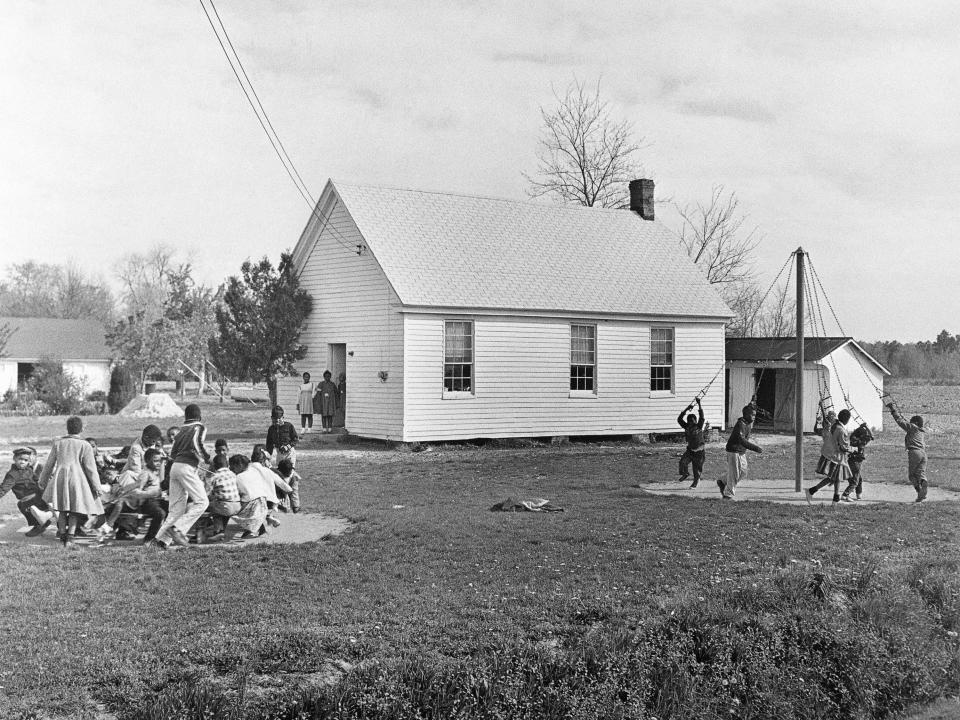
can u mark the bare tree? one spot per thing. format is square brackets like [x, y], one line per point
[145, 280]
[584, 155]
[714, 238]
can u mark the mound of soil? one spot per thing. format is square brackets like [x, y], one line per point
[154, 405]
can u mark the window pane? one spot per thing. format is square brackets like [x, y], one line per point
[661, 359]
[458, 356]
[583, 357]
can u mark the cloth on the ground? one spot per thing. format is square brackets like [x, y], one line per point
[535, 505]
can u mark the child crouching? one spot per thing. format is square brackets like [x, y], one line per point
[224, 496]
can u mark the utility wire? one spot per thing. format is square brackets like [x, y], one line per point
[260, 104]
[264, 120]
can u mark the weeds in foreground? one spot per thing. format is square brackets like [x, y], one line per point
[801, 644]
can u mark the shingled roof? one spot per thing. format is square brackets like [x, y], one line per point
[33, 339]
[444, 250]
[767, 349]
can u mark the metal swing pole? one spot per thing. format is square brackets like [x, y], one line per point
[798, 399]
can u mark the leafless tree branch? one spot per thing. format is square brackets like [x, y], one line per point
[584, 155]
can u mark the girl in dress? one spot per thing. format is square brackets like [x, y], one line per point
[305, 404]
[70, 481]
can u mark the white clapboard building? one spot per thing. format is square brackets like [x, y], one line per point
[457, 317]
[837, 370]
[78, 344]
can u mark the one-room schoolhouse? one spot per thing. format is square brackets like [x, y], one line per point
[449, 317]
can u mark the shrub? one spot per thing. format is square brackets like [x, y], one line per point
[59, 389]
[123, 388]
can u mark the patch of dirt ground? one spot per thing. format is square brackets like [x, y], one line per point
[299, 528]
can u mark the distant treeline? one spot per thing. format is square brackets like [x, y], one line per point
[936, 360]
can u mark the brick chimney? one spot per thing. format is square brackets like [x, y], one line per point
[641, 198]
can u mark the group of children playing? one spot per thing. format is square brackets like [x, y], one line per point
[185, 495]
[841, 456]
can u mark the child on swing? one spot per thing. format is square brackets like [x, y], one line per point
[695, 453]
[837, 468]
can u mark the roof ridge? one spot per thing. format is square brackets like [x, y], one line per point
[446, 193]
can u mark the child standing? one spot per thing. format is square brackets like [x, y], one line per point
[70, 482]
[328, 398]
[22, 479]
[737, 445]
[188, 496]
[305, 404]
[696, 447]
[915, 442]
[220, 448]
[281, 437]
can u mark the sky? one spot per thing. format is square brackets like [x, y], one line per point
[836, 124]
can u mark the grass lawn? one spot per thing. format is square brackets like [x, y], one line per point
[624, 605]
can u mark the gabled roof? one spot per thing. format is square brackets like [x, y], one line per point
[767, 349]
[457, 251]
[36, 338]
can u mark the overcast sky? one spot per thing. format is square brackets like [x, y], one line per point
[837, 124]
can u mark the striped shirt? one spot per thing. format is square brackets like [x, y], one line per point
[188, 445]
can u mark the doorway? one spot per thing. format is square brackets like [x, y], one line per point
[766, 383]
[337, 357]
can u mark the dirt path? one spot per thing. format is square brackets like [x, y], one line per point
[780, 491]
[299, 528]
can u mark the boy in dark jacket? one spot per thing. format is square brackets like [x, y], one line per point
[282, 437]
[22, 479]
[188, 495]
[695, 453]
[737, 446]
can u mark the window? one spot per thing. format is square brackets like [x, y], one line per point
[458, 356]
[583, 358]
[661, 359]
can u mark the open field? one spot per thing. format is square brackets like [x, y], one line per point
[625, 605]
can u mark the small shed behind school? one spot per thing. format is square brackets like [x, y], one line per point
[835, 368]
[79, 344]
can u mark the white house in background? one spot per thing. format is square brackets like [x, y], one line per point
[457, 317]
[79, 344]
[835, 368]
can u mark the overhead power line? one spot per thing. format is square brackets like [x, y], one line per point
[233, 58]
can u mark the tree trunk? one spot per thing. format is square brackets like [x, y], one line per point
[272, 390]
[203, 379]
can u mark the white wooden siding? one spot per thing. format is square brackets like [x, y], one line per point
[853, 380]
[742, 384]
[354, 305]
[522, 379]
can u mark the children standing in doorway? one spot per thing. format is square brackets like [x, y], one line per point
[305, 404]
[328, 400]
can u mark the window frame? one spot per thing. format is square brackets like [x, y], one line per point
[672, 391]
[581, 393]
[459, 394]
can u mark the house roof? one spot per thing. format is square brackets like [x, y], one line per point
[766, 349]
[35, 338]
[445, 250]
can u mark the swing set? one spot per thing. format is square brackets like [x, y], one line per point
[808, 286]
